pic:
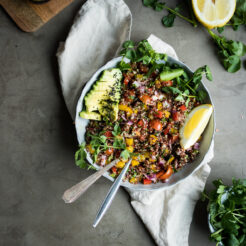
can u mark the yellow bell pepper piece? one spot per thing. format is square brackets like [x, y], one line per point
[90, 149]
[158, 83]
[159, 106]
[135, 111]
[139, 76]
[129, 141]
[170, 160]
[153, 167]
[135, 163]
[152, 139]
[120, 164]
[130, 148]
[166, 113]
[173, 130]
[133, 180]
[125, 108]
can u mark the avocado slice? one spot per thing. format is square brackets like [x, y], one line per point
[105, 94]
[90, 115]
[109, 110]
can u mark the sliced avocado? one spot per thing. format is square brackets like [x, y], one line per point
[90, 115]
[105, 89]
[111, 75]
[109, 110]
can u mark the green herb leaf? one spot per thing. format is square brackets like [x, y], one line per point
[220, 29]
[125, 154]
[128, 44]
[80, 157]
[168, 20]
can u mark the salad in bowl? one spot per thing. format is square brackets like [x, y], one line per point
[149, 107]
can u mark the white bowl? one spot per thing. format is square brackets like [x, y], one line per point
[208, 135]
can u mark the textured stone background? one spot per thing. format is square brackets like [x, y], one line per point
[38, 137]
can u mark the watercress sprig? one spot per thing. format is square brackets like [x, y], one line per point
[98, 143]
[229, 51]
[227, 211]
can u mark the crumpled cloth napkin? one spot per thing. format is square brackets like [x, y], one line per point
[96, 36]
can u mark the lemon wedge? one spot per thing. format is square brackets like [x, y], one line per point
[214, 13]
[194, 125]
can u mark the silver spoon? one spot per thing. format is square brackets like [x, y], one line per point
[73, 193]
[111, 194]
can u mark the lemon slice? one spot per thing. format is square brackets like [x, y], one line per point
[214, 13]
[194, 125]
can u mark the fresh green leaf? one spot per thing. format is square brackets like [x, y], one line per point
[220, 29]
[80, 157]
[208, 73]
[159, 6]
[168, 20]
[125, 154]
[128, 44]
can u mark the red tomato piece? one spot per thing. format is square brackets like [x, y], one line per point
[156, 124]
[141, 123]
[126, 80]
[147, 181]
[167, 129]
[159, 114]
[114, 170]
[183, 108]
[108, 134]
[174, 138]
[109, 151]
[167, 83]
[176, 116]
[146, 99]
[168, 173]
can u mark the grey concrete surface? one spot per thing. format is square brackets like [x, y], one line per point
[38, 137]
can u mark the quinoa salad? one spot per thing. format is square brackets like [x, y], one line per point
[148, 121]
[139, 110]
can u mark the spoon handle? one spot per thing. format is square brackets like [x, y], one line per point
[111, 194]
[73, 193]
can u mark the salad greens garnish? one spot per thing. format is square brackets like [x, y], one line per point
[142, 52]
[184, 86]
[230, 51]
[99, 143]
[227, 210]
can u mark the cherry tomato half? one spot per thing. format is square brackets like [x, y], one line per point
[146, 99]
[114, 170]
[176, 116]
[126, 80]
[167, 83]
[108, 134]
[183, 108]
[147, 181]
[159, 114]
[156, 124]
[168, 173]
[109, 151]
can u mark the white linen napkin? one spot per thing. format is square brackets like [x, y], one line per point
[96, 36]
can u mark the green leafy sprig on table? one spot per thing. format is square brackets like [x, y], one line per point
[99, 143]
[168, 20]
[230, 51]
[227, 210]
[239, 17]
